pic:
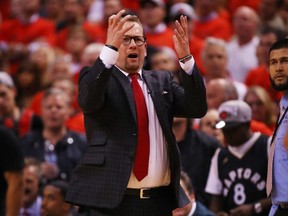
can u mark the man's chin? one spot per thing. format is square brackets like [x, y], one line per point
[133, 67]
[279, 86]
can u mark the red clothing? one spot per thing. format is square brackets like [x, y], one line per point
[224, 13]
[164, 38]
[76, 123]
[196, 47]
[95, 32]
[131, 5]
[5, 9]
[217, 27]
[26, 123]
[260, 76]
[15, 31]
[35, 104]
[261, 127]
[232, 5]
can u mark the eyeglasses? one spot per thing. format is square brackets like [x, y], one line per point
[139, 40]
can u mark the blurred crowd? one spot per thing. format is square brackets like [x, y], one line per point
[45, 43]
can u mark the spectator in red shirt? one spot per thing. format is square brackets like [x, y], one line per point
[209, 23]
[20, 121]
[53, 10]
[19, 35]
[152, 14]
[27, 27]
[74, 16]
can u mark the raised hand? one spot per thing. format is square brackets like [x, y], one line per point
[116, 30]
[181, 38]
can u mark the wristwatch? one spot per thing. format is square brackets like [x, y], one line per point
[257, 208]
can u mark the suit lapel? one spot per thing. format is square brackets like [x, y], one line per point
[154, 90]
[152, 81]
[126, 85]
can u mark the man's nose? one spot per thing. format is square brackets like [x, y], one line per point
[133, 43]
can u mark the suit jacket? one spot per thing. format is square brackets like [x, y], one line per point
[106, 97]
[68, 150]
[196, 151]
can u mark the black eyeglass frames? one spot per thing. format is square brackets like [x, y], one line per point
[139, 40]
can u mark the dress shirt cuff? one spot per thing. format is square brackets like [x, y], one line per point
[188, 66]
[108, 56]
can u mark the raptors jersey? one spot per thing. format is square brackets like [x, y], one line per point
[244, 179]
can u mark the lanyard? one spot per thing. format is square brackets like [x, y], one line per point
[278, 124]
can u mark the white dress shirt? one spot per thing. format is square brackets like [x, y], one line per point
[158, 171]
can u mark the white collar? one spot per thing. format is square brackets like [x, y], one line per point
[127, 74]
[240, 151]
[194, 204]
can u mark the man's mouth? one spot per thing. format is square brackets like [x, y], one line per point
[279, 76]
[27, 191]
[132, 55]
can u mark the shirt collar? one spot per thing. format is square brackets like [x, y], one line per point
[127, 74]
[284, 101]
[240, 151]
[193, 208]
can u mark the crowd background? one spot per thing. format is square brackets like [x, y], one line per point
[45, 43]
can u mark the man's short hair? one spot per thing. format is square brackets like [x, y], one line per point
[61, 185]
[279, 44]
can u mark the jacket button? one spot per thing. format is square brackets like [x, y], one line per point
[63, 176]
[70, 140]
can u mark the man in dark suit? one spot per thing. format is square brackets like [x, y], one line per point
[194, 208]
[106, 182]
[196, 150]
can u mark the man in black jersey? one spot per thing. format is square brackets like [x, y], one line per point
[11, 176]
[237, 177]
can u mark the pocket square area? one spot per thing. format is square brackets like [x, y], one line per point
[164, 92]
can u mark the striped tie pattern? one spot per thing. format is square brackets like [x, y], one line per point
[270, 169]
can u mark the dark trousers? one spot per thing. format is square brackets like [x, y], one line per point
[134, 206]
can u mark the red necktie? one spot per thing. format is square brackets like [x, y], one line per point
[143, 147]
